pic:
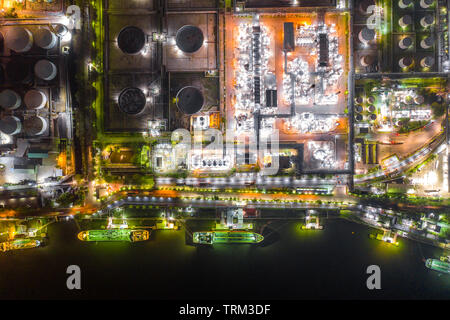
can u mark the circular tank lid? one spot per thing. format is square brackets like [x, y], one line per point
[428, 61]
[407, 61]
[18, 39]
[35, 125]
[131, 40]
[10, 125]
[190, 100]
[367, 34]
[406, 19]
[46, 70]
[132, 101]
[60, 29]
[426, 3]
[428, 41]
[359, 100]
[189, 39]
[371, 108]
[404, 3]
[428, 19]
[373, 116]
[45, 38]
[367, 60]
[419, 99]
[407, 41]
[35, 99]
[9, 99]
[2, 75]
[359, 117]
[359, 109]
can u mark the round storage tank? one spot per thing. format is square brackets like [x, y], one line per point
[18, 39]
[359, 108]
[45, 39]
[419, 99]
[60, 29]
[405, 43]
[427, 43]
[10, 100]
[189, 39]
[425, 4]
[367, 60]
[131, 40]
[35, 99]
[427, 21]
[359, 100]
[405, 21]
[35, 126]
[366, 35]
[373, 117]
[45, 70]
[427, 62]
[190, 100]
[404, 3]
[405, 62]
[10, 125]
[132, 101]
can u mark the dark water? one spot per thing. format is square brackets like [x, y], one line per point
[293, 264]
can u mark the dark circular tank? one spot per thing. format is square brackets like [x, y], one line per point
[190, 100]
[358, 117]
[373, 116]
[359, 109]
[371, 108]
[132, 101]
[131, 40]
[189, 39]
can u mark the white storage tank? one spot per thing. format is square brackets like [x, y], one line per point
[45, 39]
[35, 126]
[18, 39]
[35, 99]
[404, 3]
[405, 43]
[425, 4]
[427, 21]
[9, 99]
[405, 21]
[366, 35]
[427, 62]
[45, 70]
[405, 62]
[10, 125]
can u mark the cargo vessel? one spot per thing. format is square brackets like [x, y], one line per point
[19, 244]
[437, 265]
[211, 237]
[114, 235]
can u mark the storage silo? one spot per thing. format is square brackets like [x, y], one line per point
[45, 39]
[405, 62]
[427, 42]
[18, 39]
[405, 43]
[10, 125]
[35, 99]
[366, 35]
[427, 62]
[189, 39]
[45, 70]
[131, 40]
[190, 100]
[404, 3]
[132, 101]
[427, 21]
[9, 99]
[35, 126]
[425, 4]
[405, 21]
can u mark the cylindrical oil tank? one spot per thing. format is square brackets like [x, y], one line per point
[419, 99]
[45, 39]
[45, 70]
[60, 29]
[18, 39]
[404, 3]
[405, 21]
[427, 21]
[405, 43]
[35, 126]
[35, 99]
[370, 99]
[10, 125]
[367, 60]
[9, 99]
[427, 62]
[359, 100]
[405, 62]
[366, 35]
[425, 4]
[427, 42]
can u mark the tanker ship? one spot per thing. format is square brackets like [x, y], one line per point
[211, 237]
[114, 235]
